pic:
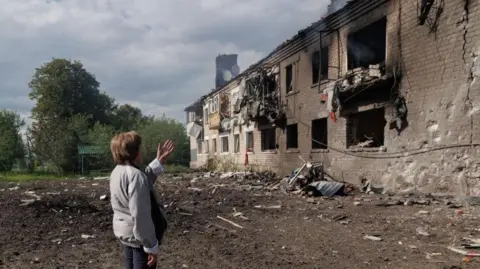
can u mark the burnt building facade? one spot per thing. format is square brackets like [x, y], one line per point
[386, 91]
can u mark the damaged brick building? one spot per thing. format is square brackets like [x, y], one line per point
[387, 91]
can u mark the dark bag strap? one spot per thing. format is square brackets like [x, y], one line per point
[158, 218]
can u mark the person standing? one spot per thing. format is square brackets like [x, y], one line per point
[138, 217]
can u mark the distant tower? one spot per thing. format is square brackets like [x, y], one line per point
[226, 69]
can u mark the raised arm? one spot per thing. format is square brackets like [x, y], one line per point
[154, 170]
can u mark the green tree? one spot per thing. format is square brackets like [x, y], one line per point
[68, 104]
[11, 143]
[56, 142]
[127, 118]
[158, 131]
[64, 88]
[99, 137]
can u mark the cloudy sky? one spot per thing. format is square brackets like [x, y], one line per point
[156, 54]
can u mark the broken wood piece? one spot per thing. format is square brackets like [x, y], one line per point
[237, 214]
[231, 222]
[185, 214]
[470, 246]
[464, 252]
[269, 207]
[373, 238]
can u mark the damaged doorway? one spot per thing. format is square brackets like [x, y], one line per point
[368, 45]
[366, 129]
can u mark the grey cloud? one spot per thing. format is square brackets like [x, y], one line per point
[158, 55]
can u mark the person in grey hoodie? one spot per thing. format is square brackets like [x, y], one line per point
[138, 218]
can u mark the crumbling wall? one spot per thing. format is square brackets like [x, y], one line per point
[442, 92]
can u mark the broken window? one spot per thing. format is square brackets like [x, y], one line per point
[214, 145]
[190, 117]
[320, 133]
[224, 144]
[289, 78]
[368, 45]
[205, 115]
[366, 129]
[207, 146]
[236, 143]
[268, 139]
[320, 63]
[249, 141]
[292, 136]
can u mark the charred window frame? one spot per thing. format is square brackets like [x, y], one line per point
[269, 139]
[320, 133]
[292, 136]
[368, 45]
[320, 62]
[289, 78]
[366, 129]
[249, 141]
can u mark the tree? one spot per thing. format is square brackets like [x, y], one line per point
[11, 143]
[99, 137]
[63, 88]
[56, 142]
[158, 131]
[68, 104]
[127, 118]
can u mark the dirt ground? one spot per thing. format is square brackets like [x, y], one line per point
[70, 227]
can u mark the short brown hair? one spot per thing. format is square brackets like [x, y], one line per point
[125, 147]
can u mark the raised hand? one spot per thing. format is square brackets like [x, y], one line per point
[163, 151]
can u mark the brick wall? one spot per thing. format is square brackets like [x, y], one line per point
[441, 74]
[436, 85]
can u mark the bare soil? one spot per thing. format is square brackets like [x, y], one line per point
[301, 233]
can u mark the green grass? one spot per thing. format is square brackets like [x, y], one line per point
[24, 176]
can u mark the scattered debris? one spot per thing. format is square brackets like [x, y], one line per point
[464, 252]
[27, 202]
[339, 217]
[357, 204]
[422, 231]
[87, 236]
[423, 212]
[104, 197]
[430, 255]
[231, 222]
[373, 238]
[269, 207]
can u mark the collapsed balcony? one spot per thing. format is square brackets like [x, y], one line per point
[363, 86]
[260, 99]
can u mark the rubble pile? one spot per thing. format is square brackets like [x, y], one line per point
[361, 77]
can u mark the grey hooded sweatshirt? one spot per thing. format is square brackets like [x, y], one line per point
[130, 190]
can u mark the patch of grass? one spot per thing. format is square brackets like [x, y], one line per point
[22, 177]
[175, 168]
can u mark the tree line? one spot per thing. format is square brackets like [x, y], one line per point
[72, 117]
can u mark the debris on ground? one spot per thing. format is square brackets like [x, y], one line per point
[209, 215]
[373, 238]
